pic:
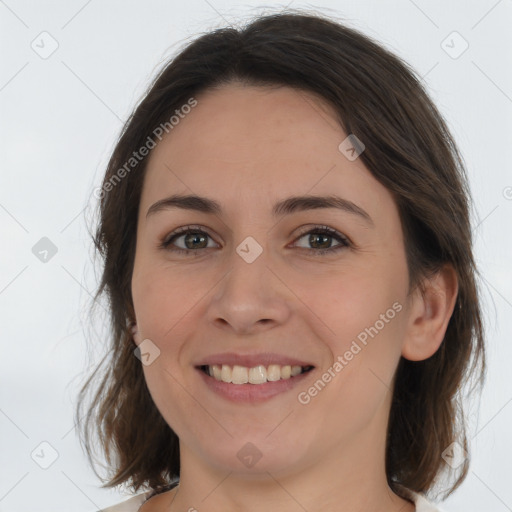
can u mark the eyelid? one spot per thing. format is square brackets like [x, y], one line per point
[344, 241]
[304, 230]
[319, 227]
[183, 230]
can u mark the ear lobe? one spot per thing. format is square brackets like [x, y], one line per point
[429, 314]
[135, 334]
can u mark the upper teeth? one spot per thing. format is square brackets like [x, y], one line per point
[257, 375]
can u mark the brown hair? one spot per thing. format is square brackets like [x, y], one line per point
[408, 149]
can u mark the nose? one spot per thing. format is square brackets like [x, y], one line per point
[250, 298]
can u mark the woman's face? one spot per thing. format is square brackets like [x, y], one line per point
[270, 284]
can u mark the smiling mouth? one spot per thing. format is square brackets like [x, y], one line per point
[256, 375]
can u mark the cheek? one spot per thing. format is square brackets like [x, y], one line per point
[365, 352]
[358, 306]
[162, 297]
[365, 313]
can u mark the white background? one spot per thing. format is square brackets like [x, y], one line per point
[60, 117]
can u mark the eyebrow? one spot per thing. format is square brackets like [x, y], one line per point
[285, 207]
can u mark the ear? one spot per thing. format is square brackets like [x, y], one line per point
[135, 334]
[429, 314]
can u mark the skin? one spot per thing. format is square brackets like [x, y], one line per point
[248, 147]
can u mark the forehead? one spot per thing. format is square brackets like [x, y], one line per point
[256, 143]
[235, 122]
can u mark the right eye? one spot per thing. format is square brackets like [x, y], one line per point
[193, 238]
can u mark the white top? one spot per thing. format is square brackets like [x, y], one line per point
[133, 504]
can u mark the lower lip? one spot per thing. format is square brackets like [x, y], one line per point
[253, 393]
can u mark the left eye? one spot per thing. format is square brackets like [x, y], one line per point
[322, 238]
[319, 238]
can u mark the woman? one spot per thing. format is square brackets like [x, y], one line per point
[287, 253]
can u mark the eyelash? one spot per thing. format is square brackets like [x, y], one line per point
[325, 230]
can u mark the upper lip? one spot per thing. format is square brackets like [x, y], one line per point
[251, 360]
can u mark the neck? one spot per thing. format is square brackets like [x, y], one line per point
[350, 478]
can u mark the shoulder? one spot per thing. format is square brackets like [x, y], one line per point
[130, 505]
[135, 503]
[421, 502]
